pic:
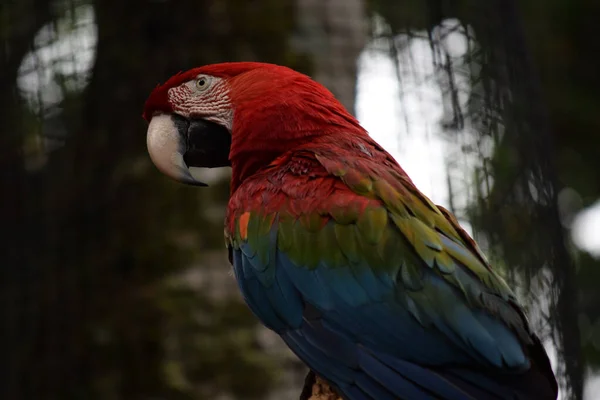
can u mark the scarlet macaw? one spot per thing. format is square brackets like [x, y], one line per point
[375, 288]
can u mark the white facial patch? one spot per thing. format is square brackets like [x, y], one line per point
[212, 104]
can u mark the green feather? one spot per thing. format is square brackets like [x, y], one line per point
[258, 236]
[392, 248]
[412, 276]
[359, 183]
[444, 262]
[408, 233]
[372, 257]
[312, 254]
[253, 231]
[313, 222]
[329, 247]
[423, 240]
[285, 234]
[347, 241]
[345, 215]
[372, 223]
[300, 242]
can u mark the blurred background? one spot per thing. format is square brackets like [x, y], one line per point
[114, 280]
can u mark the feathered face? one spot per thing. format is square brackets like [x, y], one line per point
[190, 118]
[235, 114]
[204, 96]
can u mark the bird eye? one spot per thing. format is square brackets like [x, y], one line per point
[202, 83]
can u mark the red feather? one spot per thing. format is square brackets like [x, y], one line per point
[302, 176]
[276, 110]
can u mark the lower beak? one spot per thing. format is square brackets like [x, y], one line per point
[176, 143]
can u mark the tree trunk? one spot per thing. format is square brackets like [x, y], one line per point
[334, 33]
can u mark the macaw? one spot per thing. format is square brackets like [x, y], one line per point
[378, 290]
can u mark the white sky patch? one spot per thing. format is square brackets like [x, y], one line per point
[385, 110]
[404, 116]
[65, 48]
[586, 231]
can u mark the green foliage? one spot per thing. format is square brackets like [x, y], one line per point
[212, 347]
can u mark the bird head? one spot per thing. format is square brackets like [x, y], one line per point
[242, 115]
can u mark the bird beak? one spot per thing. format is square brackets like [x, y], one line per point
[176, 143]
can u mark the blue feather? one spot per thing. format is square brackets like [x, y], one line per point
[393, 381]
[322, 365]
[435, 383]
[370, 338]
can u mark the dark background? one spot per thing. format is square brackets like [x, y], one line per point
[114, 280]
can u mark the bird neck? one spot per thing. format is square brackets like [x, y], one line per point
[262, 133]
[256, 155]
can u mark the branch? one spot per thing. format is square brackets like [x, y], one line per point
[316, 388]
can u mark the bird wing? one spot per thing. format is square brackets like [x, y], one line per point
[371, 284]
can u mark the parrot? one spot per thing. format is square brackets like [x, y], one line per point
[379, 291]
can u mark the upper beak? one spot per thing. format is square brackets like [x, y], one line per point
[176, 143]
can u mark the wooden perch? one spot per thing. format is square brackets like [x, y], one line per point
[316, 388]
